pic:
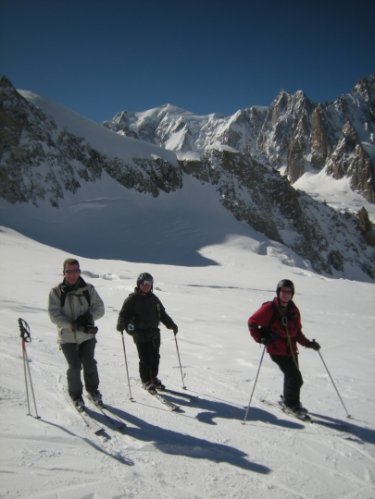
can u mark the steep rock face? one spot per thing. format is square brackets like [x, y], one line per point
[366, 227]
[39, 160]
[146, 176]
[302, 136]
[350, 159]
[321, 138]
[284, 137]
[265, 200]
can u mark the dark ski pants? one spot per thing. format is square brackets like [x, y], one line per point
[292, 378]
[148, 352]
[78, 357]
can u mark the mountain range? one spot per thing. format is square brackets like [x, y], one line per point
[249, 175]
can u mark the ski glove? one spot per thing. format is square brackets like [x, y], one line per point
[83, 322]
[130, 328]
[120, 326]
[175, 329]
[266, 336]
[314, 345]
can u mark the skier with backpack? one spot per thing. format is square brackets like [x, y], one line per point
[73, 306]
[140, 316]
[277, 325]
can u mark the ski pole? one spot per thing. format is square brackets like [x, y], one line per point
[333, 383]
[126, 366]
[26, 338]
[179, 362]
[255, 382]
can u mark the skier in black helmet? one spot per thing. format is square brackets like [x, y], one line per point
[140, 316]
[277, 324]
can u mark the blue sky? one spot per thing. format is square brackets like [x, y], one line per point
[98, 57]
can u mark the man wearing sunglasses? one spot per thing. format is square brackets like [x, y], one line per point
[140, 316]
[73, 306]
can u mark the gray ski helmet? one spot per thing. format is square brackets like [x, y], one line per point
[145, 276]
[284, 283]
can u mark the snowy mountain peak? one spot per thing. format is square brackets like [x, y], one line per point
[293, 135]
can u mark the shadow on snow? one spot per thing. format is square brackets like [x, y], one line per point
[175, 443]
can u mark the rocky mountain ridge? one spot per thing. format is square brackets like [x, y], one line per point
[241, 157]
[41, 160]
[293, 135]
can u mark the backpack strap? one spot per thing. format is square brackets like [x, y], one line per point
[63, 294]
[274, 312]
[87, 296]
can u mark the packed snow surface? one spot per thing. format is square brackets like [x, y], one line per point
[203, 451]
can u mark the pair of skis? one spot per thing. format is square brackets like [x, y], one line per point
[115, 422]
[342, 429]
[104, 443]
[118, 424]
[158, 394]
[302, 415]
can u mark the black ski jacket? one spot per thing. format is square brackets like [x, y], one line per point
[141, 315]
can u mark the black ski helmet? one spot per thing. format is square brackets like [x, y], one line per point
[285, 283]
[145, 276]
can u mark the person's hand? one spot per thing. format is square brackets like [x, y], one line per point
[314, 345]
[120, 326]
[130, 328]
[265, 336]
[83, 321]
[175, 329]
[265, 339]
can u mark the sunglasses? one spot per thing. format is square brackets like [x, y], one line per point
[72, 271]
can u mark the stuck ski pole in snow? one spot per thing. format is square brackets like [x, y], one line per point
[126, 366]
[255, 382]
[26, 338]
[179, 362]
[333, 383]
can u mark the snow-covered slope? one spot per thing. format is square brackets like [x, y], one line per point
[108, 221]
[204, 452]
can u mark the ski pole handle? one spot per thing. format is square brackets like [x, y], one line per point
[24, 330]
